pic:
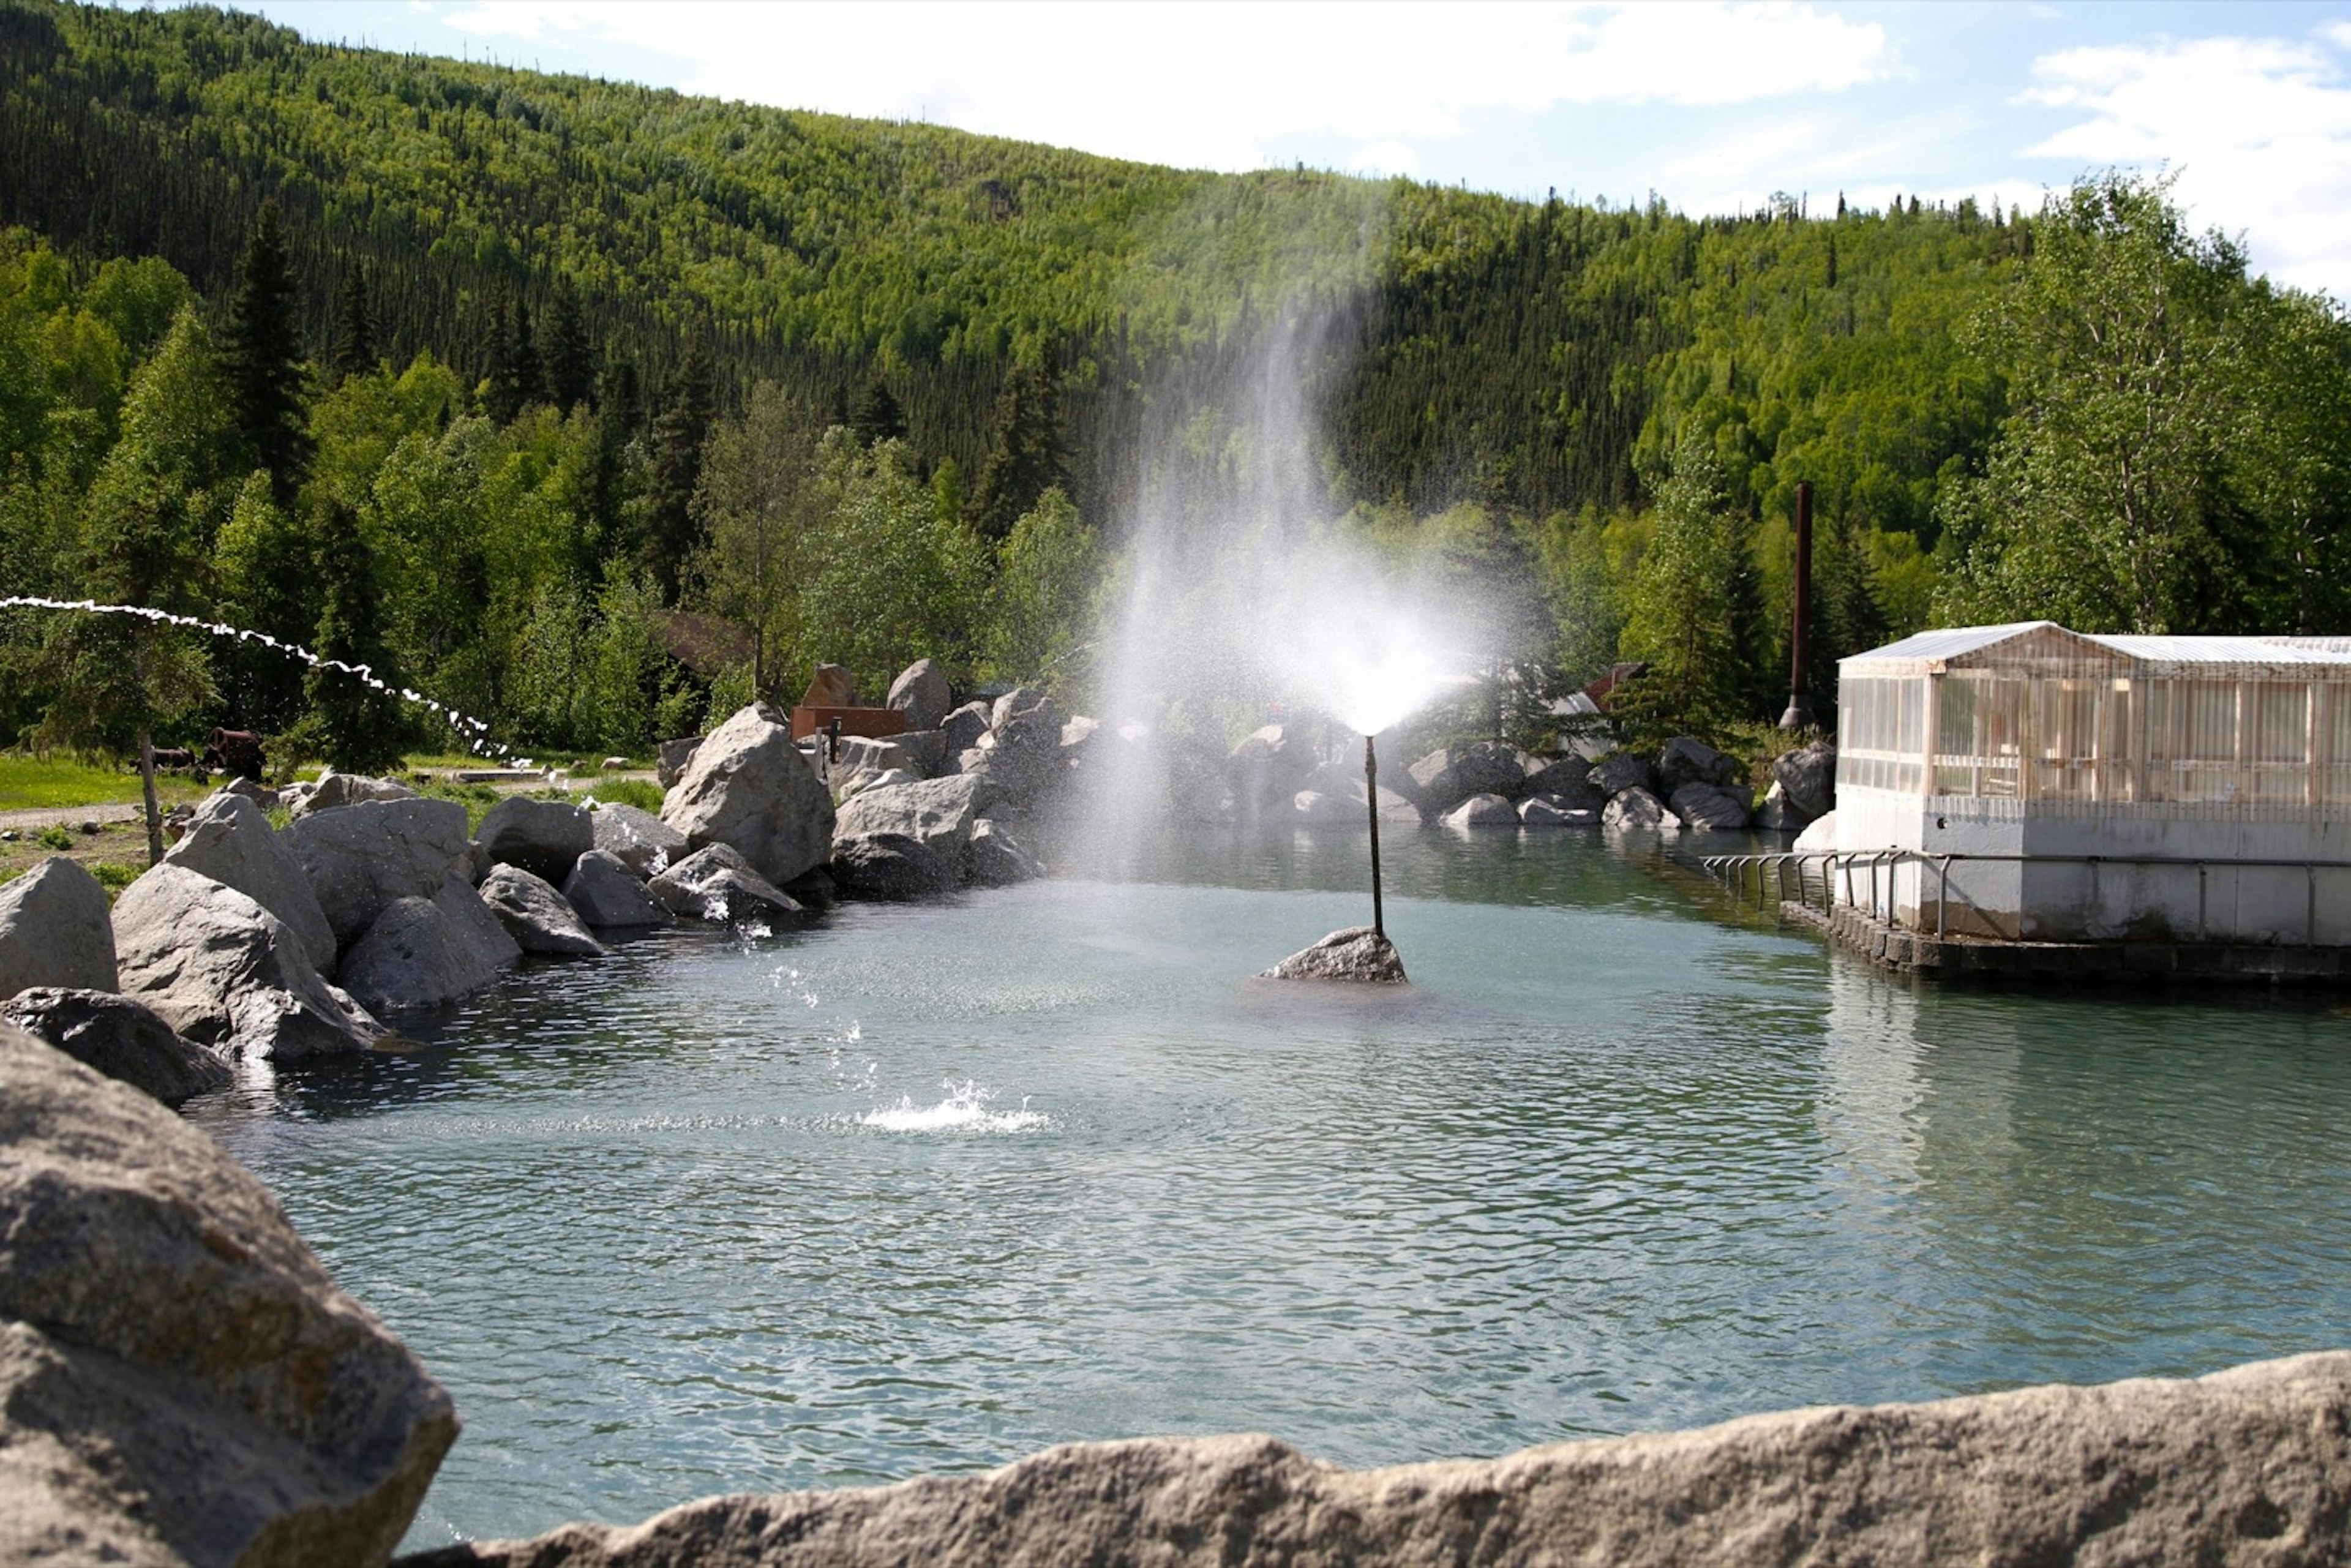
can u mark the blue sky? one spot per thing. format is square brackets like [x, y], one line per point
[1714, 107]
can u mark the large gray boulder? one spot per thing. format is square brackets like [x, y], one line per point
[637, 838]
[362, 858]
[1483, 811]
[180, 1381]
[1271, 764]
[1774, 814]
[716, 883]
[53, 930]
[965, 726]
[896, 866]
[669, 762]
[994, 857]
[230, 840]
[1688, 760]
[1807, 778]
[607, 894]
[1443, 780]
[536, 916]
[749, 788]
[1555, 811]
[226, 973]
[1712, 808]
[543, 837]
[1620, 771]
[921, 693]
[1020, 758]
[937, 811]
[127, 1040]
[1356, 952]
[428, 952]
[1637, 811]
[857, 753]
[2251, 1466]
[1567, 781]
[334, 790]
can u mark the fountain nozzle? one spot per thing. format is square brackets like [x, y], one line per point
[1371, 808]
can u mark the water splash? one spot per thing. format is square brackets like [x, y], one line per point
[965, 1109]
[472, 731]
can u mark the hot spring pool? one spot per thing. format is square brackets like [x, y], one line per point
[936, 1186]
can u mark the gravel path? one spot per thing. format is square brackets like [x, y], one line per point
[39, 816]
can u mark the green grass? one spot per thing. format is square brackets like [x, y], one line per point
[116, 876]
[478, 799]
[643, 793]
[57, 781]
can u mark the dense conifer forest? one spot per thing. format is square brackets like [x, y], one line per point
[589, 408]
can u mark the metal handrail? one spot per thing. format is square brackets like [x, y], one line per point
[1843, 863]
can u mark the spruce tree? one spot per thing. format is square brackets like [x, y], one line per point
[1024, 460]
[530, 384]
[671, 531]
[877, 416]
[358, 724]
[355, 352]
[262, 358]
[497, 381]
[571, 357]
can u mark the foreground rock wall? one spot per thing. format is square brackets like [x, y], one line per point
[180, 1381]
[2251, 1466]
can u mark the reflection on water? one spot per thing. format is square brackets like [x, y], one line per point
[936, 1186]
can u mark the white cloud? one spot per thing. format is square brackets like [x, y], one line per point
[1389, 157]
[1219, 86]
[2258, 129]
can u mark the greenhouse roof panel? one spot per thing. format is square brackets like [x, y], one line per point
[2039, 642]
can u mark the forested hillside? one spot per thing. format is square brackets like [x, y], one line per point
[586, 406]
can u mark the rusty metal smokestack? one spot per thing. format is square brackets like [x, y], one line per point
[1799, 705]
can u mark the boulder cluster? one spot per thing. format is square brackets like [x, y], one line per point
[1280, 771]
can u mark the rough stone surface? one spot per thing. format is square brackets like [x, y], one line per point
[749, 788]
[637, 838]
[53, 930]
[536, 916]
[1687, 760]
[230, 839]
[669, 762]
[127, 1040]
[1819, 838]
[994, 858]
[334, 790]
[1555, 811]
[937, 811]
[1020, 759]
[607, 894]
[226, 973]
[1356, 953]
[2249, 1466]
[1808, 779]
[965, 726]
[1483, 811]
[1566, 779]
[867, 754]
[1622, 770]
[1443, 780]
[1268, 764]
[1712, 808]
[1020, 702]
[543, 837]
[896, 866]
[1776, 814]
[360, 858]
[831, 686]
[1636, 810]
[180, 1381]
[716, 883]
[426, 952]
[921, 693]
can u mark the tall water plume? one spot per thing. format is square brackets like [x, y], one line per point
[1249, 595]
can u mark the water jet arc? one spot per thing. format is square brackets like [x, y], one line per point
[1372, 810]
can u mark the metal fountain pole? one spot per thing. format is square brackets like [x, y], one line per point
[1372, 808]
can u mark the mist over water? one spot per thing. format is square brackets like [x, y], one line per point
[1249, 597]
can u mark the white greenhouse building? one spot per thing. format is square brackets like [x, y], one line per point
[2031, 783]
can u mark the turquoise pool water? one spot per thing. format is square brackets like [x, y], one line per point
[931, 1187]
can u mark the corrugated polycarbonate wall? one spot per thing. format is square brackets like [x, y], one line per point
[2043, 714]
